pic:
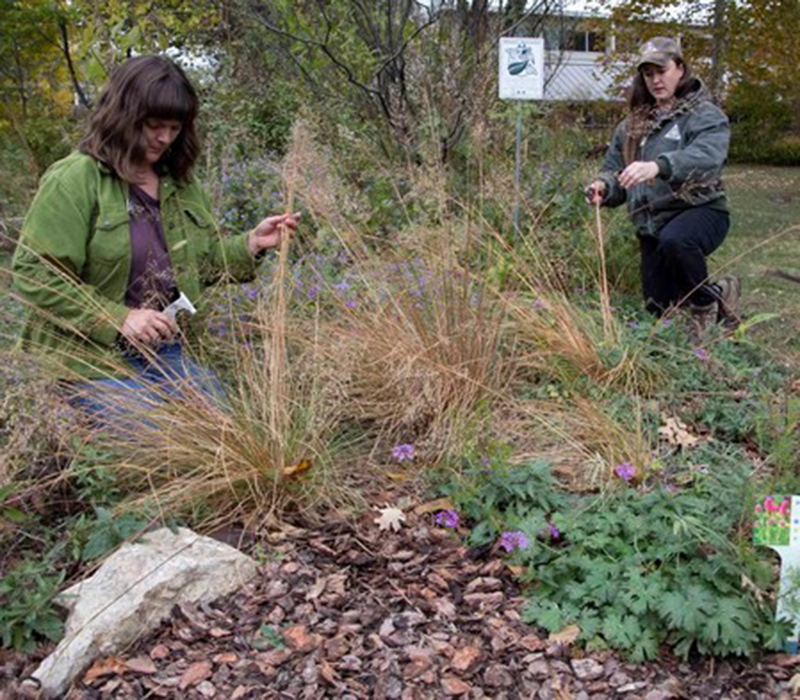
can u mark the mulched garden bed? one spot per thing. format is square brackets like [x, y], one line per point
[351, 612]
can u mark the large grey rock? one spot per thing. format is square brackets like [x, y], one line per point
[133, 592]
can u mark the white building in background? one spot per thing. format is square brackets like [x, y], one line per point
[579, 64]
[578, 67]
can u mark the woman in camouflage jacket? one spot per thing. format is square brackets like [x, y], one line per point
[665, 161]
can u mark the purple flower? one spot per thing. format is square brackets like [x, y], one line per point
[538, 304]
[671, 488]
[342, 286]
[625, 471]
[666, 322]
[514, 539]
[633, 324]
[702, 355]
[351, 303]
[312, 292]
[403, 452]
[554, 532]
[447, 518]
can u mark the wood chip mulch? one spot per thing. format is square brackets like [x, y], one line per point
[351, 612]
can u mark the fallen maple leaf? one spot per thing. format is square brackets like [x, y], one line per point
[390, 518]
[675, 432]
[566, 636]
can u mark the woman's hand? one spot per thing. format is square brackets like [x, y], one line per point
[638, 172]
[269, 233]
[595, 192]
[148, 326]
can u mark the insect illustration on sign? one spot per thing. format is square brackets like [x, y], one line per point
[520, 60]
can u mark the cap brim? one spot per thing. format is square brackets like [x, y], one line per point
[661, 60]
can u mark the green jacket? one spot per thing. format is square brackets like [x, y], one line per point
[690, 145]
[73, 261]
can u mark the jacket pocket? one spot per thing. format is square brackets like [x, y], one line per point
[197, 236]
[109, 250]
[198, 217]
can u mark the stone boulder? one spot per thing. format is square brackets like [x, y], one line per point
[133, 592]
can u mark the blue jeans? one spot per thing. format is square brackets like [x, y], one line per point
[111, 401]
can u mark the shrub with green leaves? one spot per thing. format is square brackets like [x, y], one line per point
[633, 570]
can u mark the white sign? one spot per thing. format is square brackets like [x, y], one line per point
[521, 68]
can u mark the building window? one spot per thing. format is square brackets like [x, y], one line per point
[580, 40]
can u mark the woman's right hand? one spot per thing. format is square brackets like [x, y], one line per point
[148, 326]
[595, 192]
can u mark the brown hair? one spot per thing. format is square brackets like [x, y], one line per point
[641, 103]
[145, 87]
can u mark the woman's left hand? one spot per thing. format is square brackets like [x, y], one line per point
[638, 172]
[270, 232]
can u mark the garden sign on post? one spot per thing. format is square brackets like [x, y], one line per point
[777, 526]
[521, 77]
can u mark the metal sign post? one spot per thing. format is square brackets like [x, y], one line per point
[521, 77]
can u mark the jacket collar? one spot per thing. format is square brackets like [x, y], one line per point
[169, 185]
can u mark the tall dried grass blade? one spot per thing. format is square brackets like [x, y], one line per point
[605, 299]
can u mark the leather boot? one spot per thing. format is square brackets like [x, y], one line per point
[729, 290]
[701, 318]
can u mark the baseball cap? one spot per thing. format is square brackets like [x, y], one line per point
[658, 51]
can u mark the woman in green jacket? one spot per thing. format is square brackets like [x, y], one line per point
[665, 161]
[117, 232]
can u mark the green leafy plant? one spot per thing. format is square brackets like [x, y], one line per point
[632, 570]
[26, 610]
[640, 570]
[92, 538]
[494, 494]
[268, 637]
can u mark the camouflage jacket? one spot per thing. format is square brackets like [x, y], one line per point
[690, 145]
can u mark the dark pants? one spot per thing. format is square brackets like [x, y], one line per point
[674, 264]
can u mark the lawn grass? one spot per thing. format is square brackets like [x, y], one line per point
[764, 202]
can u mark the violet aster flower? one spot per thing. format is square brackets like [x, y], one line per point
[403, 452]
[351, 303]
[447, 518]
[702, 355]
[554, 532]
[625, 471]
[514, 539]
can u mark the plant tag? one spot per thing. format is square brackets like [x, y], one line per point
[182, 303]
[776, 524]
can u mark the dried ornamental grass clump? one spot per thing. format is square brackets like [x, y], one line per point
[423, 354]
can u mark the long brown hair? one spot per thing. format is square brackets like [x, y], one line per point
[145, 87]
[641, 104]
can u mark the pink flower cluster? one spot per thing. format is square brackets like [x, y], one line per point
[772, 521]
[776, 513]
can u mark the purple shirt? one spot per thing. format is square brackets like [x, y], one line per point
[151, 284]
